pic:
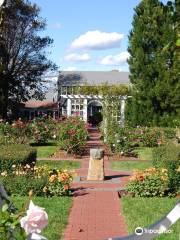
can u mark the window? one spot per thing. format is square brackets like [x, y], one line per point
[77, 107]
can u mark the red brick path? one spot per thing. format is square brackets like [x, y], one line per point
[96, 212]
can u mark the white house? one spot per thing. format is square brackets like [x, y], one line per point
[86, 105]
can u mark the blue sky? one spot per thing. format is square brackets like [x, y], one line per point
[88, 34]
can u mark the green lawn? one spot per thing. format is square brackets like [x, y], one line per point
[59, 164]
[142, 212]
[130, 165]
[144, 153]
[46, 151]
[58, 210]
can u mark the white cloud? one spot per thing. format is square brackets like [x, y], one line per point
[75, 57]
[97, 40]
[70, 69]
[115, 59]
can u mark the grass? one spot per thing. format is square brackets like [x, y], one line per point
[144, 153]
[142, 212]
[45, 151]
[57, 209]
[59, 164]
[130, 165]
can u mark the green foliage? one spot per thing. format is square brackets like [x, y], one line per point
[127, 139]
[42, 130]
[42, 180]
[16, 133]
[149, 183]
[168, 156]
[16, 155]
[111, 103]
[72, 135]
[10, 227]
[104, 90]
[21, 185]
[23, 60]
[153, 65]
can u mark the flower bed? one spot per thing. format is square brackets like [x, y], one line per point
[150, 182]
[72, 135]
[16, 133]
[42, 180]
[126, 140]
[18, 154]
[43, 130]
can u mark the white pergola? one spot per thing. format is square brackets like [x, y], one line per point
[87, 99]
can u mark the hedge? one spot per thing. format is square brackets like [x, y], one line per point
[16, 155]
[168, 156]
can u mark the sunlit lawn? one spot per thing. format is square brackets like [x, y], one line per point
[61, 164]
[45, 151]
[57, 209]
[144, 153]
[130, 165]
[142, 212]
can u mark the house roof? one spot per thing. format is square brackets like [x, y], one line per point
[40, 104]
[91, 78]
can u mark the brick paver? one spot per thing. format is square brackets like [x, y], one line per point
[96, 213]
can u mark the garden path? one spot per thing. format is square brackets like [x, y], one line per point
[96, 213]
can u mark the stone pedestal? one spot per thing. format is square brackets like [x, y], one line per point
[96, 165]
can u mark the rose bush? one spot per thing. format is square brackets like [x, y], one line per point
[14, 226]
[42, 180]
[150, 182]
[58, 183]
[16, 133]
[126, 139]
[43, 129]
[72, 135]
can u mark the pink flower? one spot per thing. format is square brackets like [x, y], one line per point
[159, 142]
[36, 219]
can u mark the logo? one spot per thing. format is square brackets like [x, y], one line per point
[139, 231]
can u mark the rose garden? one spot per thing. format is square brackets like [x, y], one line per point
[41, 156]
[93, 153]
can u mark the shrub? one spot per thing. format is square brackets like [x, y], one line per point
[16, 133]
[16, 155]
[21, 185]
[125, 140]
[72, 135]
[58, 183]
[149, 183]
[168, 156]
[43, 130]
[42, 180]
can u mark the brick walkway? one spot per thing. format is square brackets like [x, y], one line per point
[96, 213]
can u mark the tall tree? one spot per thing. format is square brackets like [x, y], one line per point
[23, 58]
[155, 84]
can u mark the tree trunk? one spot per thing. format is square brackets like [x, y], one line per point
[4, 99]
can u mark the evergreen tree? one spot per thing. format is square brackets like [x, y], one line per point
[155, 84]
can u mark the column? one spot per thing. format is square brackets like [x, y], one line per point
[69, 107]
[54, 114]
[85, 110]
[122, 111]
